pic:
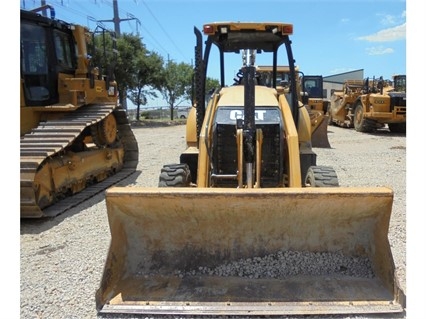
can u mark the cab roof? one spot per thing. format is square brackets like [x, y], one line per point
[235, 36]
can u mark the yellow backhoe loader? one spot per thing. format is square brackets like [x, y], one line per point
[370, 104]
[73, 131]
[310, 88]
[246, 223]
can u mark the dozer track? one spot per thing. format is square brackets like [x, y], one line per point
[50, 140]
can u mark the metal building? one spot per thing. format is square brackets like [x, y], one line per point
[335, 82]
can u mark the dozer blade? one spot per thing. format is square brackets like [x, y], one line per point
[167, 245]
[319, 136]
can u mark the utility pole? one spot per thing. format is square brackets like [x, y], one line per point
[43, 12]
[117, 19]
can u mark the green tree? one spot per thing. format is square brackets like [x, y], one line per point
[177, 84]
[130, 51]
[138, 72]
[142, 73]
[147, 79]
[211, 85]
[103, 55]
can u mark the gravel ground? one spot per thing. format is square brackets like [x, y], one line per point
[62, 259]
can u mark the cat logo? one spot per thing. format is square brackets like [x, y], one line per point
[379, 101]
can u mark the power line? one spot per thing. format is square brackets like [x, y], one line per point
[155, 40]
[165, 32]
[83, 12]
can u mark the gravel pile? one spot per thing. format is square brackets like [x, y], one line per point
[62, 259]
[291, 263]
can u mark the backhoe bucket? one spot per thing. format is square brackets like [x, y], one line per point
[319, 136]
[250, 252]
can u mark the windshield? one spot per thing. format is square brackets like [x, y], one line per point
[400, 84]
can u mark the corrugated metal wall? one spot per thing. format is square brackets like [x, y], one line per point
[335, 82]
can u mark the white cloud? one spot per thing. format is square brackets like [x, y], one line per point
[386, 35]
[380, 50]
[388, 20]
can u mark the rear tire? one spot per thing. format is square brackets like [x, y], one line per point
[321, 176]
[175, 175]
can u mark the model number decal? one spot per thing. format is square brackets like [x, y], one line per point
[379, 102]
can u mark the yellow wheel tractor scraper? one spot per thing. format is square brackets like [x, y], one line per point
[247, 223]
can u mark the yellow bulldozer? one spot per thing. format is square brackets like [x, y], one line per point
[73, 131]
[367, 105]
[246, 223]
[310, 88]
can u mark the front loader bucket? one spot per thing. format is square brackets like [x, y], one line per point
[319, 137]
[251, 252]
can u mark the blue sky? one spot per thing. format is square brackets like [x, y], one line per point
[330, 36]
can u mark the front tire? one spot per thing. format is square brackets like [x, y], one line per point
[360, 123]
[175, 175]
[321, 176]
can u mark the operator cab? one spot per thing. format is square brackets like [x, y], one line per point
[45, 52]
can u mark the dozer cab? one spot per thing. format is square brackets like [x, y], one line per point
[310, 94]
[370, 104]
[73, 131]
[222, 232]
